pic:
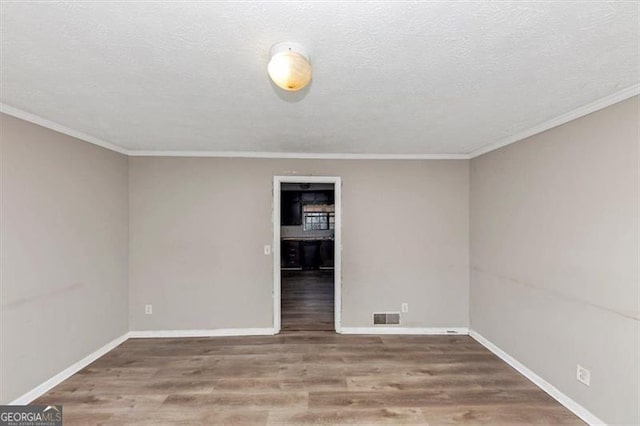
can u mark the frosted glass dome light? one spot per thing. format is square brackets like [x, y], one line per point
[289, 67]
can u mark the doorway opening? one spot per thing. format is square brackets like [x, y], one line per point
[307, 238]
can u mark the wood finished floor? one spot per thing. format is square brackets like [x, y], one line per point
[303, 377]
[307, 300]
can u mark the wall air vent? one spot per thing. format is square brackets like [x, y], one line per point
[386, 318]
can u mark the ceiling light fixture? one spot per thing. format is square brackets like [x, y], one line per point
[289, 66]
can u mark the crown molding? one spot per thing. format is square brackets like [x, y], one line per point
[298, 155]
[36, 119]
[561, 119]
[40, 121]
[554, 122]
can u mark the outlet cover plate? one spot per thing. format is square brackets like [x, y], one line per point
[583, 375]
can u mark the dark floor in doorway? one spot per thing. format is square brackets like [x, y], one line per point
[307, 300]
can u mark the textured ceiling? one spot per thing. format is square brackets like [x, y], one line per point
[389, 77]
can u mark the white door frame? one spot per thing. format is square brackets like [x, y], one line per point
[337, 252]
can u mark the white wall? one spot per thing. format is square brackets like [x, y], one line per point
[554, 257]
[64, 256]
[198, 226]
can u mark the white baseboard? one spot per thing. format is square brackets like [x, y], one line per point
[68, 372]
[405, 330]
[563, 399]
[73, 369]
[218, 332]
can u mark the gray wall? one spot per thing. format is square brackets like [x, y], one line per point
[64, 254]
[198, 226]
[554, 256]
[554, 249]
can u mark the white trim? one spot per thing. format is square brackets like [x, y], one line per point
[40, 121]
[453, 331]
[563, 399]
[275, 252]
[68, 372]
[35, 119]
[554, 122]
[337, 240]
[41, 389]
[298, 155]
[337, 256]
[561, 119]
[218, 332]
[599, 104]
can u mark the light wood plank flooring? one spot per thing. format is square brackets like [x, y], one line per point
[307, 300]
[303, 377]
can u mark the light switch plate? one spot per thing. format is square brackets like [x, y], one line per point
[148, 309]
[267, 250]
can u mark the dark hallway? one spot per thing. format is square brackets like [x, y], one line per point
[307, 300]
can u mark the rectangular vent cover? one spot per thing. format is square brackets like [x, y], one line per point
[386, 318]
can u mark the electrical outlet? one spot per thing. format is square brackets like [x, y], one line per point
[267, 250]
[405, 307]
[583, 375]
[148, 309]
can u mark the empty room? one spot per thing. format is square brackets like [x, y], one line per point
[325, 212]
